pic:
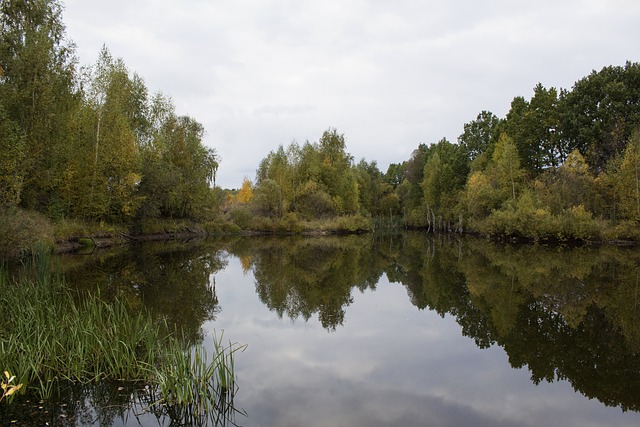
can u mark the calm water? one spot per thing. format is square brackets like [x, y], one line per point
[410, 330]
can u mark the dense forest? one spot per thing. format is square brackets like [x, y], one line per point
[91, 145]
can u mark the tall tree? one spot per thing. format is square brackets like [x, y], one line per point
[533, 125]
[480, 135]
[336, 172]
[109, 165]
[627, 179]
[37, 70]
[601, 112]
[445, 174]
[505, 168]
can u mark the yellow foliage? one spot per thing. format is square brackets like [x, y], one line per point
[245, 195]
[245, 261]
[7, 388]
[575, 163]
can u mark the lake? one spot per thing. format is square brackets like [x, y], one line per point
[382, 330]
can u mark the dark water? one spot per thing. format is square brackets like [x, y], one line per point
[381, 331]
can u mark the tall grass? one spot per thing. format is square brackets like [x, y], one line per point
[50, 335]
[197, 386]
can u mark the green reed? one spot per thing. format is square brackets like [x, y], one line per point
[47, 337]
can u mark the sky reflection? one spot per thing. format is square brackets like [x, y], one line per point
[388, 364]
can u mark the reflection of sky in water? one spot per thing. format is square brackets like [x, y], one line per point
[389, 364]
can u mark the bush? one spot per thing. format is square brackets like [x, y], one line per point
[230, 228]
[349, 224]
[241, 217]
[151, 226]
[314, 202]
[581, 225]
[539, 224]
[65, 229]
[625, 230]
[22, 231]
[261, 223]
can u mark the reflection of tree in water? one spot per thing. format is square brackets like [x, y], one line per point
[173, 281]
[97, 403]
[564, 313]
[107, 403]
[303, 276]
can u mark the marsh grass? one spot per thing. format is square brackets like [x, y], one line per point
[198, 386]
[51, 335]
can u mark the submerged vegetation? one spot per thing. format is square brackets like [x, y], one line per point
[55, 336]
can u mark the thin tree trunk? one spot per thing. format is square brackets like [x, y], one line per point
[95, 160]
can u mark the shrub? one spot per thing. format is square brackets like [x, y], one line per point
[23, 230]
[581, 225]
[261, 223]
[350, 224]
[65, 229]
[625, 230]
[241, 216]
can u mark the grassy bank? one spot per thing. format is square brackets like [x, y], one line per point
[291, 223]
[54, 336]
[28, 231]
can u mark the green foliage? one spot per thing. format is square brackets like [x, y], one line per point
[444, 177]
[349, 224]
[92, 144]
[22, 231]
[601, 112]
[12, 158]
[626, 179]
[480, 136]
[533, 125]
[526, 219]
[268, 200]
[37, 100]
[623, 230]
[479, 196]
[569, 185]
[395, 174]
[376, 195]
[504, 169]
[241, 216]
[52, 339]
[313, 181]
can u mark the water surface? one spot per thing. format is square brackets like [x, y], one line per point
[403, 330]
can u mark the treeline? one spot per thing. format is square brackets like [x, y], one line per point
[563, 165]
[90, 143]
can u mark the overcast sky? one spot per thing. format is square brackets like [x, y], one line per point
[388, 74]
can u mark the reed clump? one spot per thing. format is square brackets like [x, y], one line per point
[50, 335]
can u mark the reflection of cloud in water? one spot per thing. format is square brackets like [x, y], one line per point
[353, 404]
[389, 364]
